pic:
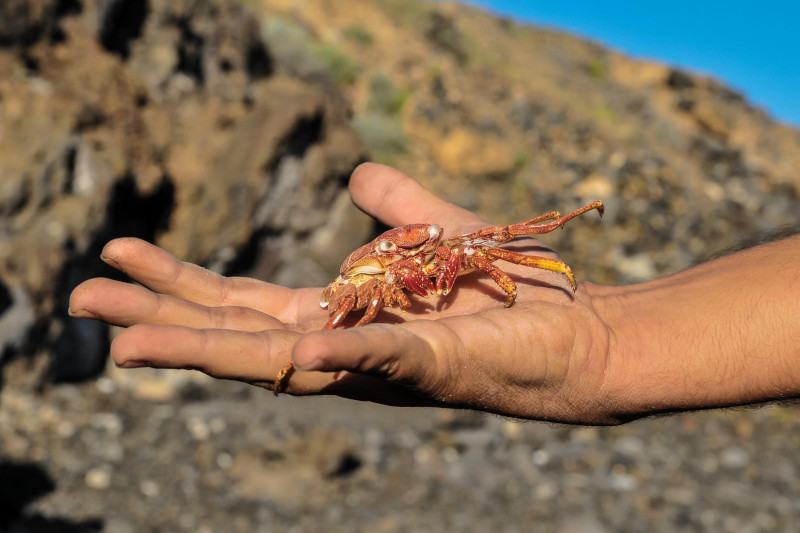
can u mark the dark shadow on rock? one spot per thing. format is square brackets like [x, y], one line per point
[24, 22]
[81, 348]
[120, 23]
[20, 485]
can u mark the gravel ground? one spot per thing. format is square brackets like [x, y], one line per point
[149, 450]
[692, 169]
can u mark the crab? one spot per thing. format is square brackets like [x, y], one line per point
[415, 258]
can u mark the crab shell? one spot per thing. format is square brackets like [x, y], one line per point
[372, 260]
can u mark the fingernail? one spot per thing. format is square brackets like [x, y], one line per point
[132, 363]
[81, 313]
[107, 260]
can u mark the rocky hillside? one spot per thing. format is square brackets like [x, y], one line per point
[511, 120]
[225, 131]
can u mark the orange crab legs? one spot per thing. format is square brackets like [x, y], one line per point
[477, 251]
[372, 295]
[501, 234]
[482, 259]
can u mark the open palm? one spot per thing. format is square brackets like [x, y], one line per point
[542, 358]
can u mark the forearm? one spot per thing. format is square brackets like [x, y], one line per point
[723, 333]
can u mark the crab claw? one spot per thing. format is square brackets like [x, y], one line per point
[417, 281]
[447, 273]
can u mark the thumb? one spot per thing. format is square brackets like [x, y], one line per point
[397, 199]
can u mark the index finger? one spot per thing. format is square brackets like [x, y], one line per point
[163, 273]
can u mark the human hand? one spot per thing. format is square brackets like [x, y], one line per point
[544, 357]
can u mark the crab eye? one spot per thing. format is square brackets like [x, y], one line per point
[387, 246]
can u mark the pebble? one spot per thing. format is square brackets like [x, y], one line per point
[106, 385]
[594, 186]
[217, 425]
[545, 491]
[154, 390]
[98, 478]
[540, 457]
[110, 423]
[422, 455]
[224, 460]
[638, 267]
[630, 446]
[622, 482]
[734, 458]
[65, 429]
[512, 430]
[149, 488]
[198, 428]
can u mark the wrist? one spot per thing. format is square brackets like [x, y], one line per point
[720, 334]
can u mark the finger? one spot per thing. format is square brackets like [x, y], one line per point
[163, 273]
[392, 353]
[396, 199]
[253, 357]
[125, 304]
[247, 356]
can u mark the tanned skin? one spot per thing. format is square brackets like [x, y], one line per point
[722, 333]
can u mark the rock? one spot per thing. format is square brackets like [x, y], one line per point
[734, 458]
[679, 79]
[595, 186]
[465, 153]
[98, 478]
[143, 124]
[16, 319]
[24, 22]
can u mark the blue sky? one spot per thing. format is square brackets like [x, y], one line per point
[752, 46]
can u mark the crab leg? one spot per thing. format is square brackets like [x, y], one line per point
[448, 266]
[544, 263]
[280, 379]
[379, 295]
[501, 234]
[395, 295]
[499, 277]
[345, 305]
[376, 302]
[552, 215]
[526, 228]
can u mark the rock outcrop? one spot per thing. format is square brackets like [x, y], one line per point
[513, 120]
[167, 121]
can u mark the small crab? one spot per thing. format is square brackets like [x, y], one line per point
[415, 258]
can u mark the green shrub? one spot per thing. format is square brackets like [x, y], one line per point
[343, 67]
[384, 97]
[382, 135]
[359, 35]
[521, 160]
[597, 68]
[291, 44]
[303, 55]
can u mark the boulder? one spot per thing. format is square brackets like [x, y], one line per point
[168, 121]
